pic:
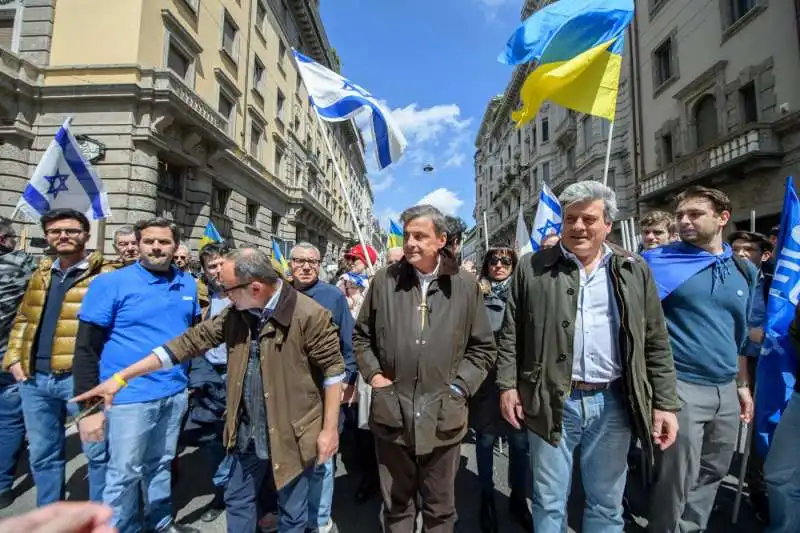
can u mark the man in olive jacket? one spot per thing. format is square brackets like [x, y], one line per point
[423, 341]
[285, 370]
[584, 359]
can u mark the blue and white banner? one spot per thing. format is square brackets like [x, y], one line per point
[64, 178]
[548, 218]
[777, 362]
[336, 98]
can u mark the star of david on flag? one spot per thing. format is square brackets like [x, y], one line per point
[548, 218]
[64, 178]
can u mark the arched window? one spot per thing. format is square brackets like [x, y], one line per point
[705, 120]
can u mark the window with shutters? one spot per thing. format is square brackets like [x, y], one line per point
[227, 108]
[705, 116]
[7, 18]
[230, 37]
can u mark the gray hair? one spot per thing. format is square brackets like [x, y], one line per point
[590, 190]
[251, 264]
[304, 246]
[157, 222]
[426, 211]
[124, 231]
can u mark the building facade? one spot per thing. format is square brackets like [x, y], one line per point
[558, 147]
[717, 91]
[193, 109]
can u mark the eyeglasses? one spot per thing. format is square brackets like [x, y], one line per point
[301, 261]
[70, 232]
[229, 290]
[505, 261]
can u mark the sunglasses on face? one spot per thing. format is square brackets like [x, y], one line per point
[505, 261]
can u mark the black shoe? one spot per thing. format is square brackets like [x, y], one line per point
[175, 528]
[488, 517]
[518, 508]
[6, 498]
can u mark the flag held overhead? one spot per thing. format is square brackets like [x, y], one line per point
[336, 99]
[210, 234]
[576, 48]
[64, 178]
[395, 239]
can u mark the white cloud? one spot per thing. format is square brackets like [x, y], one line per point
[388, 214]
[381, 182]
[491, 7]
[430, 123]
[455, 160]
[443, 199]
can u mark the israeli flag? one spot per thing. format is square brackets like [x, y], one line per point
[548, 218]
[64, 179]
[336, 99]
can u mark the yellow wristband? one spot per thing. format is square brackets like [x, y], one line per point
[119, 379]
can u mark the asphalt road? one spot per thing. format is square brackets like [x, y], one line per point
[194, 492]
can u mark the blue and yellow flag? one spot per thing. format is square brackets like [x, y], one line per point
[210, 235]
[576, 47]
[395, 239]
[279, 262]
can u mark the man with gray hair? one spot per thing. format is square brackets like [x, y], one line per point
[424, 343]
[285, 370]
[126, 245]
[584, 360]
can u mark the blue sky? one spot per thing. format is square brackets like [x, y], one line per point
[434, 63]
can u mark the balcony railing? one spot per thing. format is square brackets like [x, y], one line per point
[752, 142]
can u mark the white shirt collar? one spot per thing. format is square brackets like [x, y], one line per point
[432, 275]
[273, 302]
[569, 255]
[83, 264]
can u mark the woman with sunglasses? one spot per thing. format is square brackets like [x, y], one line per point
[485, 416]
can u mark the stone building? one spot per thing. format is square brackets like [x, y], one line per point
[717, 92]
[192, 109]
[558, 148]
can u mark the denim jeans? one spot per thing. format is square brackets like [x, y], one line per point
[598, 422]
[12, 430]
[219, 462]
[782, 472]
[45, 408]
[143, 440]
[248, 473]
[517, 461]
[320, 494]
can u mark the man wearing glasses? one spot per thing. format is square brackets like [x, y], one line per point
[126, 314]
[305, 263]
[40, 354]
[285, 370]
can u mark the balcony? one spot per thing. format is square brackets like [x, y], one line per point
[749, 148]
[567, 131]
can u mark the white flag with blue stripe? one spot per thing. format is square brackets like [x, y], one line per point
[548, 218]
[522, 242]
[336, 98]
[64, 178]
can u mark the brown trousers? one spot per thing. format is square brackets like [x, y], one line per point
[404, 474]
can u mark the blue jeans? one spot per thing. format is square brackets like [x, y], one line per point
[12, 431]
[219, 462]
[320, 494]
[45, 408]
[517, 461]
[782, 472]
[598, 422]
[143, 440]
[248, 473]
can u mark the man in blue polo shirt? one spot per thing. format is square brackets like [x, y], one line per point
[124, 316]
[706, 291]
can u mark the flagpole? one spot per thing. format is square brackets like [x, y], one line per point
[485, 230]
[344, 192]
[608, 153]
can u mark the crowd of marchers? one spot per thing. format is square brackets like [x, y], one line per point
[639, 360]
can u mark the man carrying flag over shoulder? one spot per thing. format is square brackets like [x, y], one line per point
[706, 293]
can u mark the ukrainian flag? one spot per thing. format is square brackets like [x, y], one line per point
[279, 262]
[395, 239]
[576, 47]
[210, 235]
